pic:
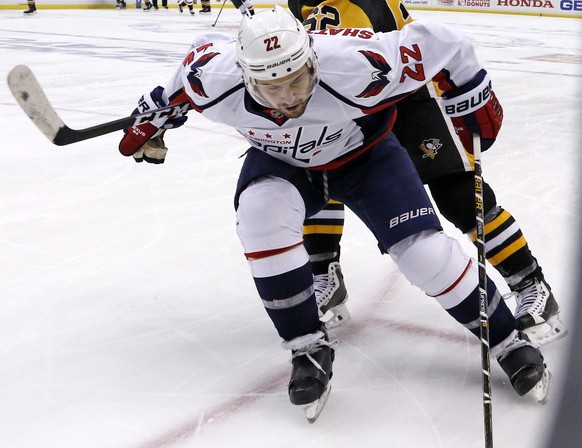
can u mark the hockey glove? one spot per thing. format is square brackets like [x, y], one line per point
[137, 136]
[153, 151]
[474, 109]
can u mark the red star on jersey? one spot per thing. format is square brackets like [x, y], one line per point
[286, 135]
[268, 136]
[251, 133]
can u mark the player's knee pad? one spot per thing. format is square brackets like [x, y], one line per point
[270, 216]
[438, 265]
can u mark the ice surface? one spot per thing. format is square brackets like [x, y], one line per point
[128, 318]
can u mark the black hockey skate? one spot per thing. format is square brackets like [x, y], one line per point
[331, 296]
[31, 10]
[312, 359]
[537, 312]
[524, 365]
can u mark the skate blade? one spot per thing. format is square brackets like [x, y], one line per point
[549, 331]
[541, 391]
[312, 410]
[336, 316]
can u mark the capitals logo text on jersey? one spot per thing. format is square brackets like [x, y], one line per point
[287, 144]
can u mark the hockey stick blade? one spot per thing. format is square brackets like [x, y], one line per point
[33, 101]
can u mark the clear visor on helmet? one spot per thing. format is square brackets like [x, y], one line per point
[287, 91]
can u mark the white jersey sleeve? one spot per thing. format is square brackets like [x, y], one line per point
[371, 69]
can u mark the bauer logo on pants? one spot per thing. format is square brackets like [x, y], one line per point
[411, 215]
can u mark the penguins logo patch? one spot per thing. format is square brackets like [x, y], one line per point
[430, 147]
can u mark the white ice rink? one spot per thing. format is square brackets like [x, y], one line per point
[128, 316]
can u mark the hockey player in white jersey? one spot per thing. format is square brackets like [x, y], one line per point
[317, 111]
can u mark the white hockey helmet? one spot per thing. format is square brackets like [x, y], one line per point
[273, 44]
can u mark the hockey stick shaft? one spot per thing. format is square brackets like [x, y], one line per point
[483, 299]
[33, 101]
[219, 12]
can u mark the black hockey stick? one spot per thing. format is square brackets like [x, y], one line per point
[33, 101]
[483, 301]
[219, 12]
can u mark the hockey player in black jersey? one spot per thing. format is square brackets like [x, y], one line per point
[446, 167]
[315, 133]
[245, 7]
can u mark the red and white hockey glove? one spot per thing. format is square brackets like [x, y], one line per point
[474, 109]
[137, 136]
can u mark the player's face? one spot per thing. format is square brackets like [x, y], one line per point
[290, 94]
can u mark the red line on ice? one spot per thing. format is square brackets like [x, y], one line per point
[277, 382]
